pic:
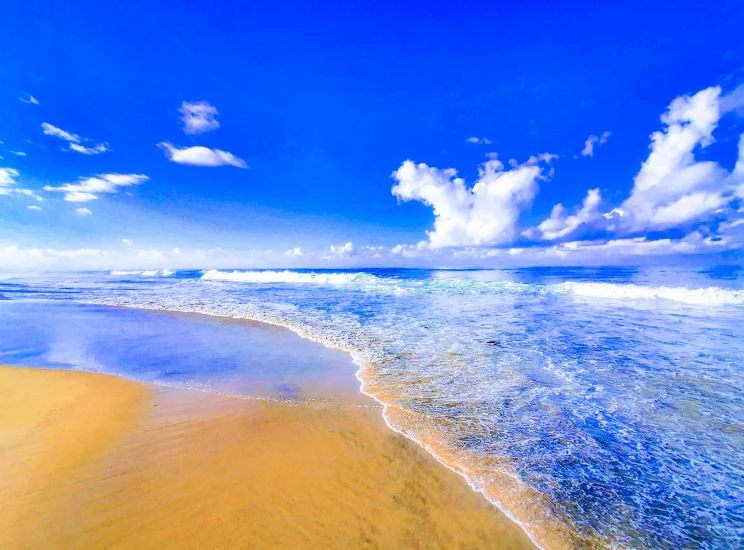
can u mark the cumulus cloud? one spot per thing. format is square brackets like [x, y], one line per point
[83, 212]
[591, 141]
[95, 150]
[294, 252]
[201, 156]
[29, 99]
[50, 130]
[485, 214]
[560, 224]
[88, 189]
[474, 139]
[198, 117]
[345, 250]
[673, 188]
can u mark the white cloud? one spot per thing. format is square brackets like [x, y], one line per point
[588, 149]
[8, 179]
[8, 176]
[198, 117]
[50, 130]
[127, 242]
[27, 192]
[672, 188]
[486, 214]
[95, 150]
[32, 207]
[295, 252]
[88, 189]
[19, 153]
[474, 139]
[201, 156]
[345, 250]
[74, 140]
[560, 225]
[83, 212]
[29, 99]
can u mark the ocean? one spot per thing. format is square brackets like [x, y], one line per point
[597, 407]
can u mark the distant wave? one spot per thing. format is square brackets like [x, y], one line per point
[711, 296]
[153, 273]
[282, 277]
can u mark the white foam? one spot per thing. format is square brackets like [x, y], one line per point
[167, 273]
[711, 296]
[126, 273]
[150, 273]
[280, 277]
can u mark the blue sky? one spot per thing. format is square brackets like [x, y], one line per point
[302, 111]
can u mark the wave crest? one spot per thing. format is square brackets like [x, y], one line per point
[282, 277]
[711, 296]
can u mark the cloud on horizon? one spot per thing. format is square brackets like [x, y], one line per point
[672, 190]
[485, 214]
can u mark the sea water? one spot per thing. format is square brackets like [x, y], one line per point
[597, 407]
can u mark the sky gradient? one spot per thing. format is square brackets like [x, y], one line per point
[330, 134]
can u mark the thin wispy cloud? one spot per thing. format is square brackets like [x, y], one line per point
[51, 130]
[19, 153]
[74, 140]
[474, 139]
[96, 150]
[29, 99]
[201, 156]
[88, 189]
[591, 141]
[198, 117]
[83, 212]
[8, 181]
[8, 177]
[28, 193]
[33, 207]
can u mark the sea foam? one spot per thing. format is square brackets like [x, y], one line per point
[280, 277]
[711, 296]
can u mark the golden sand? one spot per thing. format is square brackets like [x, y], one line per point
[94, 461]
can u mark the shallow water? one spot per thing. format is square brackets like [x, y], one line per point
[595, 406]
[176, 349]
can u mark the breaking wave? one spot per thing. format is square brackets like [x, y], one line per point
[151, 273]
[711, 296]
[282, 277]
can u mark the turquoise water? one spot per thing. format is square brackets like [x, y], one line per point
[597, 407]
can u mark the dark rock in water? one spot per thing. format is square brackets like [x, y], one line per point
[493, 342]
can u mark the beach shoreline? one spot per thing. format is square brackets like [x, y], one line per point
[163, 467]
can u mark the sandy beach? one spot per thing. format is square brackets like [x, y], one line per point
[95, 461]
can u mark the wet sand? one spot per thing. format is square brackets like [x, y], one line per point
[95, 461]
